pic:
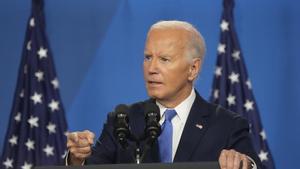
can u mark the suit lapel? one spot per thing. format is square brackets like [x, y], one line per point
[194, 130]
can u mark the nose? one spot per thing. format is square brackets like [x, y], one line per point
[152, 66]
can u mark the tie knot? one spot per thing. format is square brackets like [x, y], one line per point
[169, 114]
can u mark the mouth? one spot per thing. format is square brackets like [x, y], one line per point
[154, 83]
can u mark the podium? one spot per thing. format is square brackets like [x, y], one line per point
[188, 165]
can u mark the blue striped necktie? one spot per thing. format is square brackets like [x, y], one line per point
[166, 137]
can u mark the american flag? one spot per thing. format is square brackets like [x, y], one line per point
[232, 86]
[36, 131]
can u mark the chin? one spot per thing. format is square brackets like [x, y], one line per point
[154, 94]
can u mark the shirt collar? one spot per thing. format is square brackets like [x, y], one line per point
[183, 109]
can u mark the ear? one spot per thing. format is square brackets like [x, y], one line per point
[194, 69]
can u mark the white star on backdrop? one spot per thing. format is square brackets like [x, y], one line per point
[26, 165]
[42, 53]
[218, 71]
[55, 83]
[13, 140]
[236, 55]
[36, 98]
[263, 135]
[263, 156]
[224, 26]
[31, 22]
[216, 93]
[48, 150]
[8, 163]
[234, 77]
[18, 117]
[231, 100]
[248, 105]
[221, 48]
[51, 128]
[22, 94]
[29, 144]
[33, 121]
[28, 46]
[39, 75]
[249, 85]
[53, 105]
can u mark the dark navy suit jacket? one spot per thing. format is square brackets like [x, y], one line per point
[221, 129]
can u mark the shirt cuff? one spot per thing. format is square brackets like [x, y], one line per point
[67, 161]
[253, 164]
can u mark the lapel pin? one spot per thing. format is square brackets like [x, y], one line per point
[199, 126]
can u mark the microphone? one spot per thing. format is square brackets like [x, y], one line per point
[121, 127]
[152, 117]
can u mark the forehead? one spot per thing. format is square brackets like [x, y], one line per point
[161, 38]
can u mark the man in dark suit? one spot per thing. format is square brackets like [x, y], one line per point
[192, 129]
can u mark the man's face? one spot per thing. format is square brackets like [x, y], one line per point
[167, 71]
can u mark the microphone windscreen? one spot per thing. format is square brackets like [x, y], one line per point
[122, 108]
[151, 108]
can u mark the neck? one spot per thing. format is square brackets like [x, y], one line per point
[176, 100]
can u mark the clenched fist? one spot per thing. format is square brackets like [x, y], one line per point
[79, 146]
[231, 159]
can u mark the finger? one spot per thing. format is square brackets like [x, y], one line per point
[90, 136]
[73, 136]
[230, 159]
[246, 162]
[222, 159]
[80, 150]
[79, 143]
[237, 160]
[81, 156]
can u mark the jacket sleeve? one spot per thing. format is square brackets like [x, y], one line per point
[240, 139]
[104, 150]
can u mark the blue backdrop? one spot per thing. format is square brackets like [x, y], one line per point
[98, 52]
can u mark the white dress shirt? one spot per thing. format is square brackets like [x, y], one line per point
[179, 120]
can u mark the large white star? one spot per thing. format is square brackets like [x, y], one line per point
[263, 135]
[224, 26]
[8, 163]
[36, 98]
[234, 77]
[55, 83]
[249, 85]
[248, 105]
[218, 71]
[33, 121]
[30, 144]
[231, 100]
[221, 48]
[26, 165]
[236, 55]
[53, 105]
[216, 93]
[51, 128]
[263, 156]
[13, 140]
[31, 22]
[42, 52]
[18, 117]
[48, 150]
[39, 75]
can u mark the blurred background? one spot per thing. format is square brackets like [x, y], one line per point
[97, 47]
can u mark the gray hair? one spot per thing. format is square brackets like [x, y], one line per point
[195, 42]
